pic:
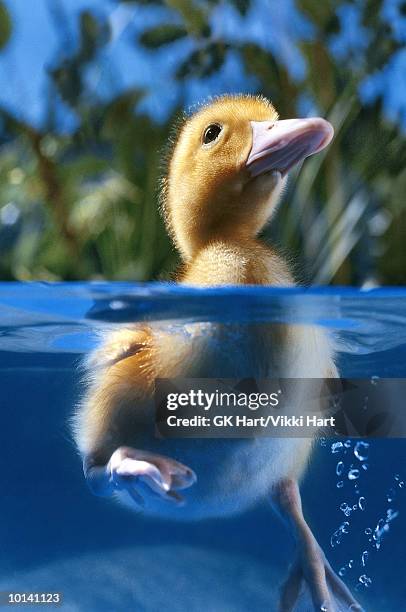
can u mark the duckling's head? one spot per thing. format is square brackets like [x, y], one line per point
[228, 168]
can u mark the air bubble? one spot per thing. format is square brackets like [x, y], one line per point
[353, 474]
[365, 580]
[338, 534]
[361, 450]
[339, 468]
[340, 484]
[347, 444]
[361, 503]
[342, 571]
[381, 528]
[364, 558]
[391, 515]
[344, 507]
[337, 447]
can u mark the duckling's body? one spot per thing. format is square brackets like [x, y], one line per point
[218, 195]
[232, 474]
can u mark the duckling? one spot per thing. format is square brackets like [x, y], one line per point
[225, 177]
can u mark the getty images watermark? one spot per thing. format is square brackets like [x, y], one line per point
[224, 408]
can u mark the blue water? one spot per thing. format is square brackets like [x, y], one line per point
[55, 536]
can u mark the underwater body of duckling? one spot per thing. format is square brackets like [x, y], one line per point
[243, 154]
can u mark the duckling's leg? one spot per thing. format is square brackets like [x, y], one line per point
[328, 591]
[115, 413]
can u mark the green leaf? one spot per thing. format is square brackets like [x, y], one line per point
[93, 33]
[203, 62]
[194, 16]
[5, 25]
[162, 35]
[242, 6]
[319, 12]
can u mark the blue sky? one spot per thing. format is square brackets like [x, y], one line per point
[276, 25]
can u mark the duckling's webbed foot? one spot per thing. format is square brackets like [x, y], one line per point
[328, 592]
[140, 473]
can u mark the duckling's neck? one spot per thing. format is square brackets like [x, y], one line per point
[226, 262]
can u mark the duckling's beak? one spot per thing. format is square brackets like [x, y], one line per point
[279, 145]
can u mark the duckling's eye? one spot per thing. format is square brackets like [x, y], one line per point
[211, 133]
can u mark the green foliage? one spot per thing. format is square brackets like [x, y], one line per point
[203, 62]
[162, 35]
[193, 14]
[68, 76]
[85, 205]
[242, 6]
[5, 25]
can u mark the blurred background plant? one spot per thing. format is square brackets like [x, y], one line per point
[90, 89]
